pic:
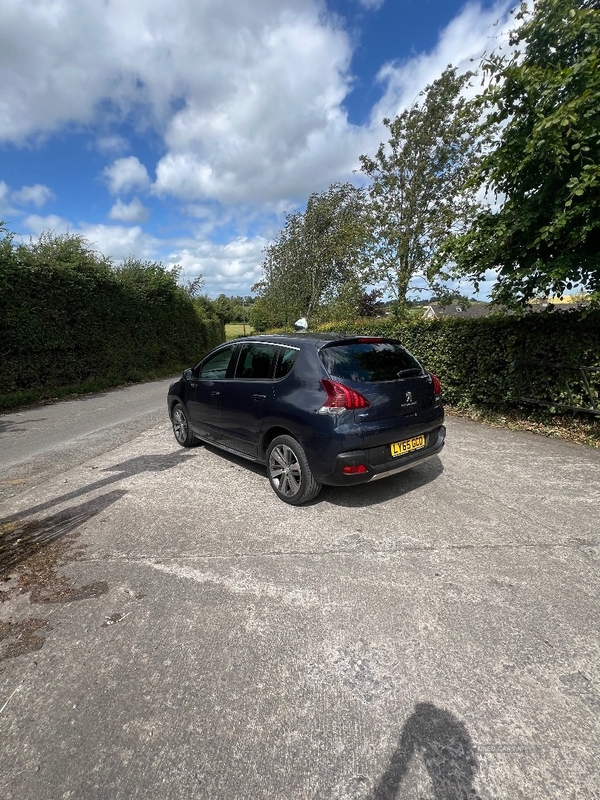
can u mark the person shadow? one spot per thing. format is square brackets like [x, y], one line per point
[447, 751]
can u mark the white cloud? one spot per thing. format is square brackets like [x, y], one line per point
[248, 98]
[249, 94]
[36, 224]
[3, 192]
[36, 195]
[461, 44]
[115, 241]
[120, 241]
[112, 144]
[129, 212]
[371, 5]
[230, 268]
[126, 175]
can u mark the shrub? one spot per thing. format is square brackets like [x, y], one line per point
[481, 361]
[70, 319]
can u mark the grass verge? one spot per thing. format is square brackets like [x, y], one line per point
[571, 427]
[235, 329]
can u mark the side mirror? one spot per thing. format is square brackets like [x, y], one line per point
[188, 375]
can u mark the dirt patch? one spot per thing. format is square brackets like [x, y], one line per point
[38, 572]
[33, 555]
[19, 638]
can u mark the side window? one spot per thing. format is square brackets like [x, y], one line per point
[287, 357]
[216, 366]
[255, 361]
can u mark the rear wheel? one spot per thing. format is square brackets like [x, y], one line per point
[289, 473]
[181, 427]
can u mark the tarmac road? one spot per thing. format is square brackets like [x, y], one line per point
[170, 629]
[42, 441]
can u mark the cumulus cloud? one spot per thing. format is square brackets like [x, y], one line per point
[37, 224]
[120, 241]
[112, 145]
[229, 268]
[126, 175]
[462, 43]
[249, 94]
[371, 5]
[129, 212]
[247, 99]
[37, 195]
[115, 241]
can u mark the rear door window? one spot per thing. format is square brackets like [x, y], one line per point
[255, 361]
[368, 362]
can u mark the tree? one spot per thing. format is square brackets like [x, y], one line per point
[223, 307]
[543, 99]
[418, 193]
[315, 253]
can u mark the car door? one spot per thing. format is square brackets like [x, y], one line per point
[205, 393]
[248, 396]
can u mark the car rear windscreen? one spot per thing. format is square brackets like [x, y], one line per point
[365, 362]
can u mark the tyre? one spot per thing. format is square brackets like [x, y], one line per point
[289, 473]
[181, 427]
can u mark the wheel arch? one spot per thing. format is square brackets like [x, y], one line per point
[272, 433]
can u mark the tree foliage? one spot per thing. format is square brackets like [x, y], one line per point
[316, 252]
[543, 99]
[70, 318]
[418, 191]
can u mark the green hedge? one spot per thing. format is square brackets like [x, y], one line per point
[70, 320]
[479, 361]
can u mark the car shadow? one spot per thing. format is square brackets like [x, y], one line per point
[22, 539]
[251, 466]
[363, 494]
[445, 746]
[380, 491]
[125, 469]
[17, 426]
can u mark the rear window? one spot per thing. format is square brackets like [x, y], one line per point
[366, 362]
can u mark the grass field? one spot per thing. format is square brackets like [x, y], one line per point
[235, 329]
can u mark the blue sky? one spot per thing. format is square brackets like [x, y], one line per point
[183, 130]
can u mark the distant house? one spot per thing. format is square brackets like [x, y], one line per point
[472, 311]
[477, 310]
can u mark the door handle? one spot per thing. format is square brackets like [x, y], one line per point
[215, 394]
[259, 397]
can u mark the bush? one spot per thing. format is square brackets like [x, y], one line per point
[70, 320]
[480, 361]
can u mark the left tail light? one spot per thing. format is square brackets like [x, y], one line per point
[341, 398]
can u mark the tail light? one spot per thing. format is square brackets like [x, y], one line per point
[341, 398]
[437, 386]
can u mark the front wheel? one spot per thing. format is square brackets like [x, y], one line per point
[181, 427]
[289, 473]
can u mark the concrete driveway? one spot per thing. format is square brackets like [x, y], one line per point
[178, 632]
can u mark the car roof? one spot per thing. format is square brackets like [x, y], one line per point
[298, 339]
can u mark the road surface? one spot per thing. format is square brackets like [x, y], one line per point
[170, 629]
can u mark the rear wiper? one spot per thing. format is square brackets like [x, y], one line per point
[405, 373]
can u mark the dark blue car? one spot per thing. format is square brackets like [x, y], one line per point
[314, 408]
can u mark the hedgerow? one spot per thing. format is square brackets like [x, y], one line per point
[481, 361]
[70, 319]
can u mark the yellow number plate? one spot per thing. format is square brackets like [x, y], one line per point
[400, 448]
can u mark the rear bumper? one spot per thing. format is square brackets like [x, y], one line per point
[379, 462]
